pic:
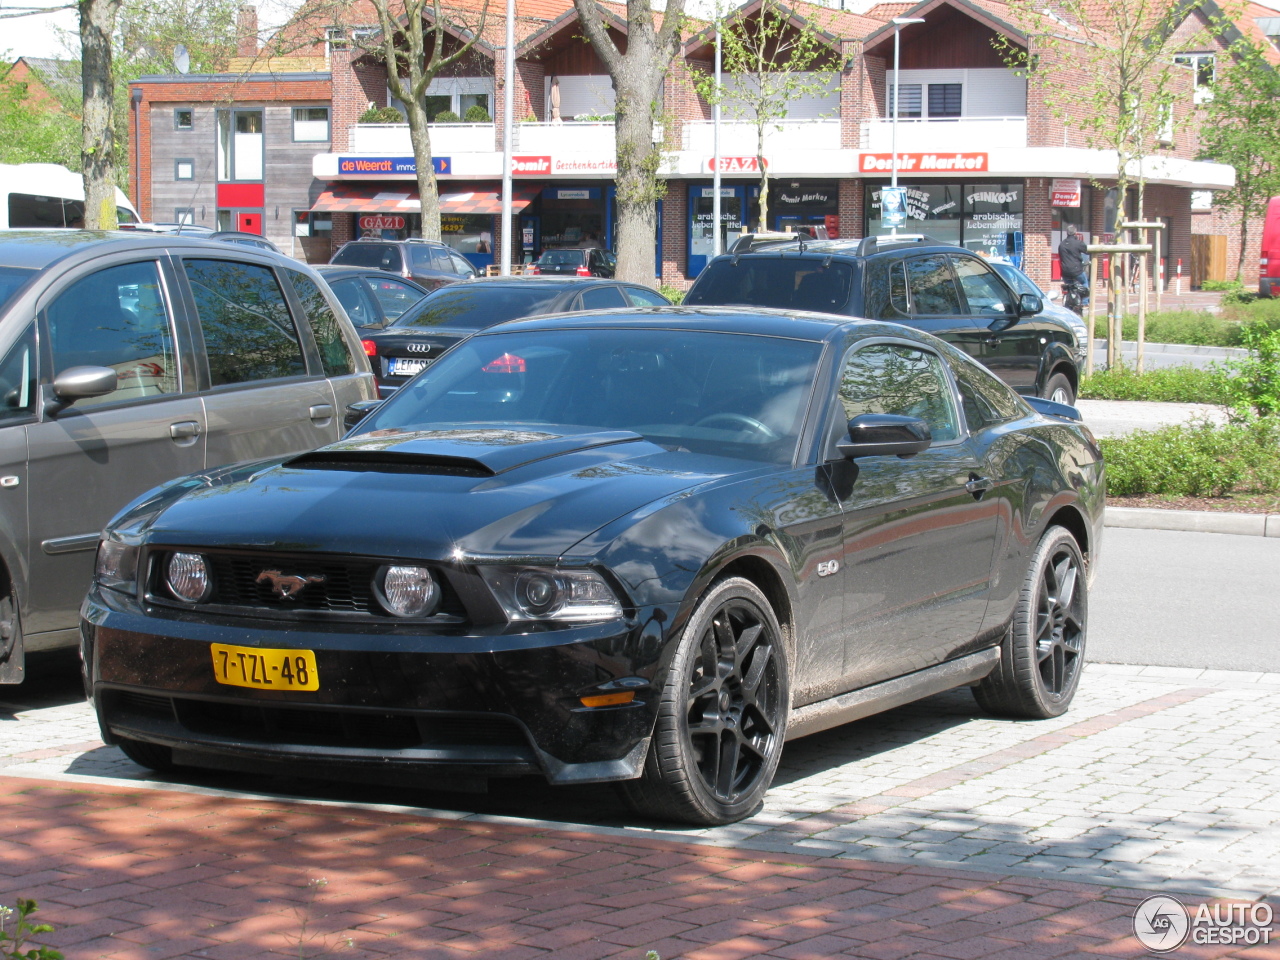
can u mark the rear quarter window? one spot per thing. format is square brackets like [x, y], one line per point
[378, 256]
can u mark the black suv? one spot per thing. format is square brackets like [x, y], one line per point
[427, 262]
[910, 279]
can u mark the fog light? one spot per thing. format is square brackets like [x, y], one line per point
[188, 577]
[407, 591]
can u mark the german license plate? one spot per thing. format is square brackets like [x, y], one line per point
[405, 367]
[264, 669]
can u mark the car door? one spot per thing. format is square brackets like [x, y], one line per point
[935, 303]
[91, 458]
[603, 297]
[18, 378]
[1011, 348]
[918, 542]
[264, 395]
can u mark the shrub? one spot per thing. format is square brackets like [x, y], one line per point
[477, 114]
[1181, 384]
[446, 116]
[1197, 327]
[674, 294]
[16, 940]
[381, 115]
[1255, 388]
[1199, 460]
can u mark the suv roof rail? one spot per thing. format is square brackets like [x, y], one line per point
[748, 242]
[869, 244]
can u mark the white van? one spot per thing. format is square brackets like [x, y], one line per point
[36, 196]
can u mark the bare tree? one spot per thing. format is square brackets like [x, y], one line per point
[417, 40]
[773, 58]
[638, 77]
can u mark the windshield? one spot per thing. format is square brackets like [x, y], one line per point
[379, 256]
[786, 283]
[722, 394]
[11, 281]
[560, 257]
[476, 307]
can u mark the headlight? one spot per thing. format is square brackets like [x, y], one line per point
[188, 577]
[117, 565]
[540, 593]
[407, 591]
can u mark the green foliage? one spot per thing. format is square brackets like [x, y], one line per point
[1233, 291]
[381, 115]
[1255, 386]
[1182, 384]
[35, 133]
[446, 116]
[1195, 461]
[1195, 327]
[476, 114]
[17, 944]
[674, 294]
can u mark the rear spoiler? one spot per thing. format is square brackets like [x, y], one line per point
[1060, 410]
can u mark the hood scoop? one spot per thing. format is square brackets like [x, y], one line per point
[462, 452]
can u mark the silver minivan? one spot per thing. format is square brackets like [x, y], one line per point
[131, 359]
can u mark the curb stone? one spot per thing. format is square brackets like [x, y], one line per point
[1196, 521]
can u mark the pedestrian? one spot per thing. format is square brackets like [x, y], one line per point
[1072, 252]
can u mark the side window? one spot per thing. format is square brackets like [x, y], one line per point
[116, 318]
[461, 266]
[986, 399]
[987, 296]
[248, 333]
[600, 298]
[335, 356]
[898, 288]
[394, 297]
[640, 297]
[888, 378]
[355, 300]
[18, 378]
[932, 289]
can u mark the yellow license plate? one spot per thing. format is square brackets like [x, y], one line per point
[264, 669]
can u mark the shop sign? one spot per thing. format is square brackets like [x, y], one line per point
[711, 192]
[924, 162]
[736, 164]
[381, 222]
[1065, 193]
[803, 198]
[541, 166]
[388, 166]
[575, 194]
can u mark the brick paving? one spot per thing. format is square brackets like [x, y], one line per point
[128, 874]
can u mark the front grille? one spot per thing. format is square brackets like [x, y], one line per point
[145, 705]
[347, 586]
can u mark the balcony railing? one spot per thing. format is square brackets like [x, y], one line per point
[963, 133]
[738, 137]
[392, 139]
[567, 137]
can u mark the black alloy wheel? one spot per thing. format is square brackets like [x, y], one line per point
[722, 716]
[1042, 655]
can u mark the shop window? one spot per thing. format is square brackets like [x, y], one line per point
[310, 124]
[909, 101]
[240, 145]
[944, 100]
[184, 169]
[184, 118]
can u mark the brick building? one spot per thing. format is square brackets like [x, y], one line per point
[985, 161]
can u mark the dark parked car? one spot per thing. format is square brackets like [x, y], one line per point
[372, 298]
[637, 546]
[935, 287]
[426, 262]
[451, 314]
[127, 360]
[588, 262]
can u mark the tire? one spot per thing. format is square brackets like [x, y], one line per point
[150, 755]
[1059, 386]
[722, 713]
[1042, 654]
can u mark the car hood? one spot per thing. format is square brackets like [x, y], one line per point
[441, 494]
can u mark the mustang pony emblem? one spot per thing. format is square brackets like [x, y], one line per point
[287, 586]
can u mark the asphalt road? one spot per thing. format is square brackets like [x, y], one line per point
[1172, 599]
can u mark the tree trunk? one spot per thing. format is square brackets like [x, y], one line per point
[1244, 239]
[638, 159]
[98, 150]
[420, 138]
[764, 177]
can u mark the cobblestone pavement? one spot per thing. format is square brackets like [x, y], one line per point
[127, 874]
[1157, 778]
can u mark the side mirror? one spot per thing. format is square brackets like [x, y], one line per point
[358, 411]
[885, 435]
[1052, 294]
[1029, 305]
[79, 383]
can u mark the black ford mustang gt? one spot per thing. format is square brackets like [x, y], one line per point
[645, 546]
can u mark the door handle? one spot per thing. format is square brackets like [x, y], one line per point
[184, 430]
[993, 341]
[978, 485]
[322, 411]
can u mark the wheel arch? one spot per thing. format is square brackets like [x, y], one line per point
[1070, 518]
[759, 571]
[1057, 359]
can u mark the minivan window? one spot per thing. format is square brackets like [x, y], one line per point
[334, 355]
[18, 378]
[787, 283]
[248, 333]
[116, 318]
[379, 256]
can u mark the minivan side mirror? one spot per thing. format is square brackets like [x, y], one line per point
[885, 435]
[1029, 305]
[79, 383]
[358, 411]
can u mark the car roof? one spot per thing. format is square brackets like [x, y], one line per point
[38, 249]
[792, 324]
[337, 270]
[850, 249]
[532, 281]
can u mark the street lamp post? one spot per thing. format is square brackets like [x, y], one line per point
[898, 24]
[715, 156]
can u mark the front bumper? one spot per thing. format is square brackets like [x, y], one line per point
[393, 705]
